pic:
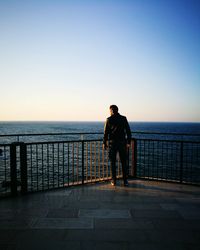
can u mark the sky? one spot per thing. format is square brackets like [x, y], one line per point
[69, 60]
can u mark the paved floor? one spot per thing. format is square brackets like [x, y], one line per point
[144, 216]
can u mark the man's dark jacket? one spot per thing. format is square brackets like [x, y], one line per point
[117, 130]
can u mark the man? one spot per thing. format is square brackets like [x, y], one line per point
[117, 135]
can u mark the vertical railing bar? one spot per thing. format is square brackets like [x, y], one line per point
[181, 162]
[58, 161]
[5, 157]
[42, 167]
[68, 163]
[157, 165]
[148, 159]
[135, 158]
[128, 162]
[63, 163]
[191, 161]
[77, 162]
[107, 164]
[86, 161]
[144, 159]
[170, 150]
[83, 161]
[73, 163]
[13, 168]
[173, 161]
[103, 162]
[154, 161]
[162, 156]
[90, 161]
[168, 160]
[99, 175]
[31, 168]
[95, 159]
[48, 164]
[176, 152]
[132, 157]
[23, 167]
[53, 165]
[37, 167]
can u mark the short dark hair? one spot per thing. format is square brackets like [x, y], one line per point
[114, 108]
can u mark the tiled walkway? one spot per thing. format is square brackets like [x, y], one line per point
[144, 216]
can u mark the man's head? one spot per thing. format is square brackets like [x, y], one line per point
[113, 109]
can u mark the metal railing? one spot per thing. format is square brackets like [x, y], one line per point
[175, 161]
[37, 166]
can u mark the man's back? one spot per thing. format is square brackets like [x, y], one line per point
[117, 129]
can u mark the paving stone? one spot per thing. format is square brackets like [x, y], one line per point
[81, 205]
[59, 193]
[154, 214]
[32, 212]
[178, 224]
[120, 235]
[104, 213]
[176, 236]
[48, 245]
[146, 206]
[170, 206]
[192, 214]
[18, 223]
[62, 213]
[61, 223]
[79, 235]
[123, 224]
[160, 246]
[32, 235]
[108, 245]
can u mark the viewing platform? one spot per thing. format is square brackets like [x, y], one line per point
[147, 215]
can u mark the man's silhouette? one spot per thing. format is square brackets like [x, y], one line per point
[117, 135]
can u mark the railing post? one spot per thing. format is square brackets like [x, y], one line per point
[13, 169]
[134, 157]
[181, 163]
[83, 165]
[23, 160]
[127, 162]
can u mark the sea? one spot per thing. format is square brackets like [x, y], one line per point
[178, 130]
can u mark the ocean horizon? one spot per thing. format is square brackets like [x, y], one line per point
[16, 127]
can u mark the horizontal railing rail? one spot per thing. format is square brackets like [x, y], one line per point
[37, 166]
[44, 137]
[97, 133]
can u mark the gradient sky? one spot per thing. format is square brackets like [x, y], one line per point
[69, 60]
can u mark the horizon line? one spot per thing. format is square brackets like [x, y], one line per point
[97, 121]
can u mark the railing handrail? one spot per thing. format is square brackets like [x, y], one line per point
[99, 133]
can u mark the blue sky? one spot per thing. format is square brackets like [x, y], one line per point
[69, 60]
